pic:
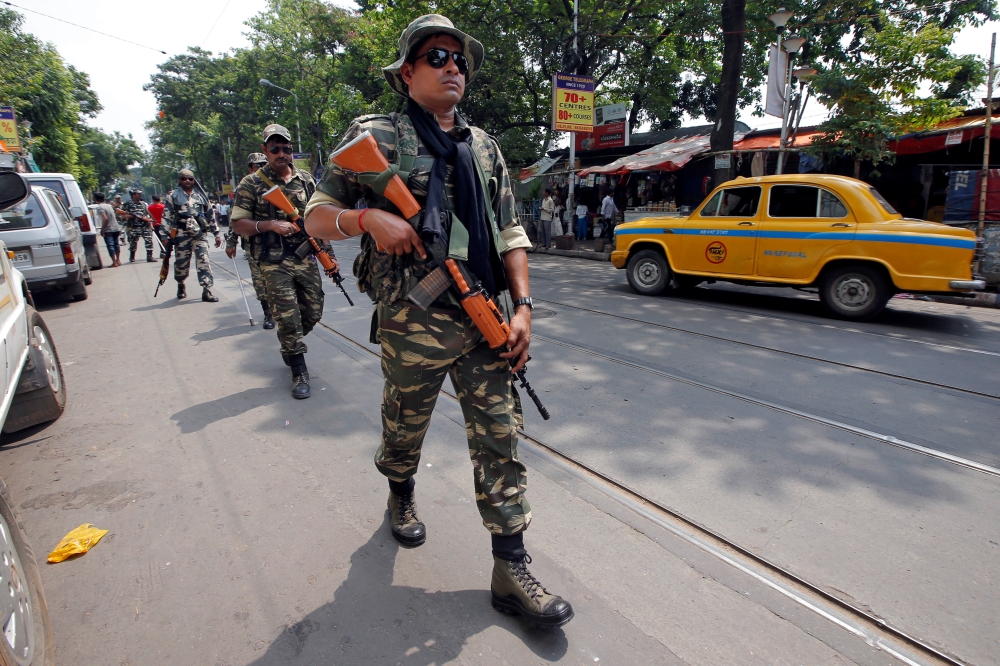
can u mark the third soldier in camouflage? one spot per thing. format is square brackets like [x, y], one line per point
[294, 287]
[138, 223]
[458, 170]
[254, 162]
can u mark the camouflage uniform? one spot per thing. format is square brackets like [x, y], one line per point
[189, 216]
[232, 238]
[419, 348]
[293, 286]
[135, 226]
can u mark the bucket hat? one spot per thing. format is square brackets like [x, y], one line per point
[425, 26]
[257, 158]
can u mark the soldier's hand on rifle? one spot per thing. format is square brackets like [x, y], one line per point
[393, 234]
[282, 227]
[230, 252]
[335, 269]
[519, 339]
[218, 240]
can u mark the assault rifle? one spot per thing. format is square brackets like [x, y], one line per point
[279, 200]
[362, 155]
[165, 268]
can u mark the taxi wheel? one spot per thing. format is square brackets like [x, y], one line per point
[648, 272]
[854, 292]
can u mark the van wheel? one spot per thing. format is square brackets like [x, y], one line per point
[854, 292]
[24, 616]
[42, 390]
[78, 290]
[88, 278]
[648, 272]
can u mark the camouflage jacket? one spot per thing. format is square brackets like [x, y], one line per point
[387, 278]
[136, 210]
[249, 204]
[188, 214]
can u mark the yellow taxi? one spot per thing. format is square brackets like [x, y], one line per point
[835, 233]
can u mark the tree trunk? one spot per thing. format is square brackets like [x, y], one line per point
[733, 25]
[857, 168]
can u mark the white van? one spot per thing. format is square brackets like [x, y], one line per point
[68, 189]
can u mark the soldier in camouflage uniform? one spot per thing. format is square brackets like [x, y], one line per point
[254, 162]
[420, 348]
[186, 211]
[138, 223]
[294, 286]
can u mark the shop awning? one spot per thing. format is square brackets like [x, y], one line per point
[668, 156]
[537, 169]
[950, 133]
[802, 140]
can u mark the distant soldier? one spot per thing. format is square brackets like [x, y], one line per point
[254, 162]
[294, 287]
[138, 223]
[187, 214]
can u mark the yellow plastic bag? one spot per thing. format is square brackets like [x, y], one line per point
[77, 542]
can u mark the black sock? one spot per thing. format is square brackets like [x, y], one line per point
[265, 307]
[400, 488]
[510, 548]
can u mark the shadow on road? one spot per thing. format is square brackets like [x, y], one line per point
[372, 621]
[197, 417]
[218, 333]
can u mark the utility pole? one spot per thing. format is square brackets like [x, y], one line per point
[232, 171]
[984, 177]
[572, 135]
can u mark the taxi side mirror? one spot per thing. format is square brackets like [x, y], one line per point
[13, 189]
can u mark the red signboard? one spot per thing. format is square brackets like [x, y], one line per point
[611, 135]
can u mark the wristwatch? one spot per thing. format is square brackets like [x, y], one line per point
[524, 301]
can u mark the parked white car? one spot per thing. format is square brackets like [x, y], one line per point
[65, 185]
[47, 244]
[34, 393]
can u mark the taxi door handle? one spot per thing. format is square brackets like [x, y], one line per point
[840, 224]
[745, 224]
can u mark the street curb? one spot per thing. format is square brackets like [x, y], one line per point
[579, 254]
[981, 300]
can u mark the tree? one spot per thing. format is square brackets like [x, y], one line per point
[105, 157]
[733, 24]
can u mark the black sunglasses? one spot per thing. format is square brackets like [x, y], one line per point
[274, 150]
[438, 58]
[186, 178]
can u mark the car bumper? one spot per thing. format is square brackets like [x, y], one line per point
[968, 285]
[52, 282]
[619, 258]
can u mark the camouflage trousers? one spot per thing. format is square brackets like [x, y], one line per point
[295, 293]
[418, 350]
[259, 287]
[135, 232]
[184, 245]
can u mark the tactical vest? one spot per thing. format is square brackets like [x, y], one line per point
[387, 278]
[272, 247]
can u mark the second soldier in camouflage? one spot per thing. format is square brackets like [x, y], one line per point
[254, 162]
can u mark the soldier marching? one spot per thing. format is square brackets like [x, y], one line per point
[138, 222]
[186, 211]
[254, 162]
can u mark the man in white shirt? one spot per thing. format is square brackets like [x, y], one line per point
[608, 210]
[581, 222]
[224, 214]
[548, 208]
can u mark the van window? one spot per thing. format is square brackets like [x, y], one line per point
[25, 215]
[56, 186]
[61, 213]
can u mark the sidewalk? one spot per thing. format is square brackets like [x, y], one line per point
[254, 526]
[581, 249]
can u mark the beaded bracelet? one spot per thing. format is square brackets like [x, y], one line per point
[361, 221]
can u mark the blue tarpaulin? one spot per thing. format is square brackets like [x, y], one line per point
[962, 200]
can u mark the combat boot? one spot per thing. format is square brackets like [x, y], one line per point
[149, 256]
[208, 296]
[268, 319]
[406, 527]
[300, 376]
[181, 291]
[516, 591]
[131, 256]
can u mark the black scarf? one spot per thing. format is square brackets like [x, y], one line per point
[469, 198]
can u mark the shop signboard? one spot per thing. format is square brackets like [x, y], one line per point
[572, 103]
[302, 161]
[610, 129]
[8, 129]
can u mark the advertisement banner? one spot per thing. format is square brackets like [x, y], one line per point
[610, 129]
[302, 161]
[572, 103]
[8, 129]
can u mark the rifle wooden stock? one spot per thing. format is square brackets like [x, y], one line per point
[362, 155]
[280, 200]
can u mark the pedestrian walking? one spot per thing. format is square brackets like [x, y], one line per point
[581, 222]
[224, 214]
[254, 162]
[156, 212]
[548, 211]
[187, 214]
[608, 210]
[557, 213]
[110, 229]
[449, 163]
[293, 286]
[138, 223]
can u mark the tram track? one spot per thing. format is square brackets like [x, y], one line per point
[858, 621]
[775, 350]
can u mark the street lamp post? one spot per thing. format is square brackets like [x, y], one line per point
[792, 45]
[298, 130]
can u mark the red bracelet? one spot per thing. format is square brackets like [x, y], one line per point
[361, 221]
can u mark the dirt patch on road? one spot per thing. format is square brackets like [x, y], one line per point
[109, 495]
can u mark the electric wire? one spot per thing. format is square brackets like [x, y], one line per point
[210, 30]
[83, 27]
